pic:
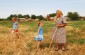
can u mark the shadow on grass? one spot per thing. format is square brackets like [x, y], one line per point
[47, 45]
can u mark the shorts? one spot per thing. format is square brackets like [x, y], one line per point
[40, 38]
[15, 30]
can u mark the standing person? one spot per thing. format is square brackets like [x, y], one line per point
[15, 27]
[60, 33]
[39, 37]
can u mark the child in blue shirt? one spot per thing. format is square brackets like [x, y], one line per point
[39, 37]
[15, 27]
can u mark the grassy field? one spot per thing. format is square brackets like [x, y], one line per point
[26, 45]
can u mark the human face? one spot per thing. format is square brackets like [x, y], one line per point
[58, 13]
[41, 24]
[14, 20]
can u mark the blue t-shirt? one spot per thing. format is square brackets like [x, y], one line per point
[15, 26]
[41, 30]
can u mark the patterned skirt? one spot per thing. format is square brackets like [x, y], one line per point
[59, 35]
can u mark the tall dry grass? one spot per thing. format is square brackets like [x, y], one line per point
[26, 44]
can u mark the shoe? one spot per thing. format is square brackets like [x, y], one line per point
[63, 49]
[57, 49]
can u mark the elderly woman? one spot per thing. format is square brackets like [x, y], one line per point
[60, 33]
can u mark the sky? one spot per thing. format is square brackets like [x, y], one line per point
[40, 7]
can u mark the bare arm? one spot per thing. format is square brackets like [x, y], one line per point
[62, 25]
[38, 31]
[54, 18]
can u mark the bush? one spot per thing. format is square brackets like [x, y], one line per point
[73, 16]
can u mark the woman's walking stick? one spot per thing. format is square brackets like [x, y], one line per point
[53, 35]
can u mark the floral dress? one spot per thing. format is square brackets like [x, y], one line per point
[59, 34]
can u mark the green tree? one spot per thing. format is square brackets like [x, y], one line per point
[1, 19]
[20, 16]
[11, 16]
[26, 16]
[33, 17]
[40, 17]
[73, 15]
[52, 15]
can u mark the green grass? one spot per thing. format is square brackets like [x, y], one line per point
[77, 24]
[80, 41]
[7, 24]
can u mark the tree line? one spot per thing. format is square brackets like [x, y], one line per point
[40, 17]
[71, 15]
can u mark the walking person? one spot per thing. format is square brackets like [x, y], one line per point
[15, 27]
[39, 37]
